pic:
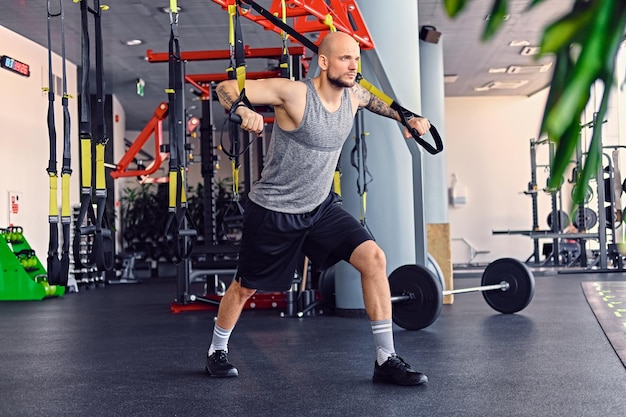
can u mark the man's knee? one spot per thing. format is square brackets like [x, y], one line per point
[241, 292]
[368, 256]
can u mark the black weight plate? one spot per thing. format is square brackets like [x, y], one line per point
[612, 217]
[521, 282]
[425, 307]
[563, 220]
[590, 218]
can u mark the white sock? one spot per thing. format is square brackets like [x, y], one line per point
[383, 338]
[220, 340]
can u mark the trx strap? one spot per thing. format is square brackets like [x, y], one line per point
[285, 68]
[180, 232]
[58, 269]
[405, 115]
[237, 70]
[90, 224]
[358, 159]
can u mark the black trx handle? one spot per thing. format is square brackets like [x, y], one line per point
[58, 269]
[405, 115]
[180, 232]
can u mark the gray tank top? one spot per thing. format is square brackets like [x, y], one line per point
[300, 163]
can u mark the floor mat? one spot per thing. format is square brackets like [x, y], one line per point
[608, 302]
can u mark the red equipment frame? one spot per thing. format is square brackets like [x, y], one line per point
[154, 126]
[344, 15]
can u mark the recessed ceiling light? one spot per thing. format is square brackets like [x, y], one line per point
[501, 85]
[449, 79]
[530, 50]
[519, 43]
[497, 70]
[132, 42]
[167, 9]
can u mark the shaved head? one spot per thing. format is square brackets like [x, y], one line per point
[334, 41]
[338, 57]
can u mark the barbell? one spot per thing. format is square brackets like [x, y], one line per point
[507, 286]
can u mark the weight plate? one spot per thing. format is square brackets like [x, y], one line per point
[563, 218]
[521, 285]
[588, 193]
[433, 266]
[426, 298]
[612, 217]
[590, 218]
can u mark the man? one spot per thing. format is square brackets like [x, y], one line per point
[291, 207]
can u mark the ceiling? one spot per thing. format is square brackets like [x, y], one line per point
[481, 69]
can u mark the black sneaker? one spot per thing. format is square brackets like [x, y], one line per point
[218, 366]
[397, 371]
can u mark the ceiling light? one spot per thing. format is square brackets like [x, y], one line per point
[530, 50]
[526, 69]
[132, 42]
[500, 85]
[167, 9]
[449, 79]
[497, 70]
[519, 43]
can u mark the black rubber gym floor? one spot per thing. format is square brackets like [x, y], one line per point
[119, 351]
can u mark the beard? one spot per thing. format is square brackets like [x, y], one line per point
[339, 82]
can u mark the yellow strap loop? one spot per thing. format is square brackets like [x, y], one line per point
[174, 6]
[232, 9]
[172, 190]
[85, 160]
[241, 77]
[100, 173]
[183, 193]
[235, 172]
[65, 196]
[54, 206]
[337, 182]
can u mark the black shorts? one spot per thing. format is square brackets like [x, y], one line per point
[273, 243]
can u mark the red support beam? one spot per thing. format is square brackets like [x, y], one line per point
[224, 54]
[207, 78]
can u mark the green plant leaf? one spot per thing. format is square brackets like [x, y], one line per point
[562, 68]
[498, 13]
[454, 7]
[586, 71]
[561, 33]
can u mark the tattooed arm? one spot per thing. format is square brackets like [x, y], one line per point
[376, 105]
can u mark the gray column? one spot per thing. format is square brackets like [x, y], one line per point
[433, 104]
[395, 198]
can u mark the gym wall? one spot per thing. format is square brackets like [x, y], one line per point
[25, 145]
[25, 141]
[488, 150]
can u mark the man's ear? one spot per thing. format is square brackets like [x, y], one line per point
[322, 62]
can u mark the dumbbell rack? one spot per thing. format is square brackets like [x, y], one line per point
[19, 282]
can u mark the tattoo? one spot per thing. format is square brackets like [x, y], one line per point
[373, 103]
[378, 106]
[226, 100]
